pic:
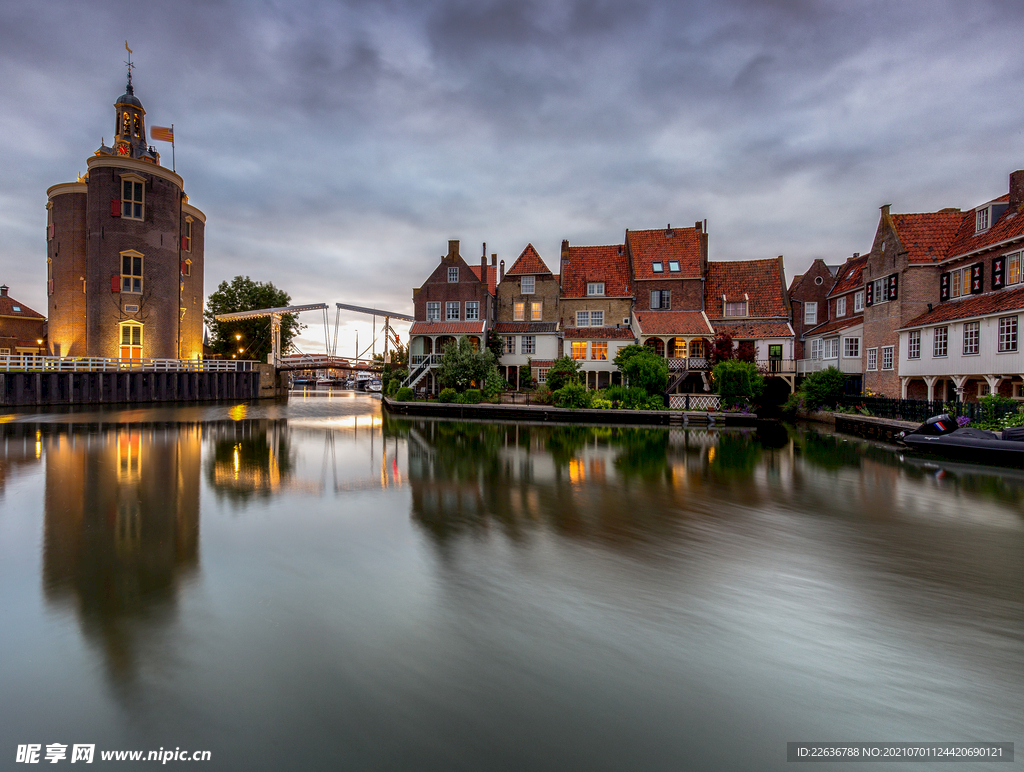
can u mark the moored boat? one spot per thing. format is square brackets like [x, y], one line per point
[942, 436]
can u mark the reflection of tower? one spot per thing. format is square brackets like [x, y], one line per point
[121, 529]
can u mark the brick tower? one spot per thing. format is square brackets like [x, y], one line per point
[125, 253]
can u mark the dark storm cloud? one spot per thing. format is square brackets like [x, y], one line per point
[336, 146]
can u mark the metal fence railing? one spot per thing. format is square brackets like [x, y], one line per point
[30, 363]
[923, 409]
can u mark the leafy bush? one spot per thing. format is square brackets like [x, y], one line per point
[824, 387]
[573, 394]
[643, 368]
[737, 382]
[392, 387]
[564, 370]
[473, 396]
[543, 394]
[462, 365]
[525, 376]
[599, 403]
[615, 393]
[447, 395]
[404, 394]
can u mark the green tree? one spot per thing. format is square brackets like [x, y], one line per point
[823, 388]
[564, 370]
[252, 336]
[642, 368]
[737, 382]
[463, 364]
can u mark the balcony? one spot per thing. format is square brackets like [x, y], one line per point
[844, 364]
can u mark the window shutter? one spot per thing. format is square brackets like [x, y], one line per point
[49, 286]
[115, 207]
[944, 286]
[869, 294]
[50, 228]
[184, 243]
[115, 282]
[998, 266]
[894, 283]
[977, 278]
[182, 268]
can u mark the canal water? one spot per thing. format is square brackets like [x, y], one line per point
[315, 585]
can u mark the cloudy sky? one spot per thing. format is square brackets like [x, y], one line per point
[335, 147]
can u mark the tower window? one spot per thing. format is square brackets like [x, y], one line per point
[131, 272]
[131, 341]
[187, 238]
[133, 197]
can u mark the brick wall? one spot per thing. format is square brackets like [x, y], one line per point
[66, 252]
[545, 291]
[687, 294]
[807, 289]
[437, 288]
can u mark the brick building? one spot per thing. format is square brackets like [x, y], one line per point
[125, 253]
[527, 316]
[901, 279]
[595, 308]
[836, 340]
[962, 341]
[807, 296]
[456, 300]
[22, 330]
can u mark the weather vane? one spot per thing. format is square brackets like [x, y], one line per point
[130, 66]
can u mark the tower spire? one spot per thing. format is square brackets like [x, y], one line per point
[130, 66]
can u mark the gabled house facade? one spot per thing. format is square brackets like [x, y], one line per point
[901, 279]
[595, 304]
[808, 294]
[456, 300]
[22, 329]
[836, 341]
[748, 300]
[963, 343]
[527, 316]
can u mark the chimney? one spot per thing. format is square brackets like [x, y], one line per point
[697, 226]
[502, 274]
[856, 255]
[3, 290]
[1016, 190]
[483, 267]
[494, 260]
[668, 230]
[453, 248]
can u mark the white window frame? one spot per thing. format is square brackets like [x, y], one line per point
[133, 196]
[132, 280]
[858, 301]
[536, 311]
[972, 339]
[451, 310]
[528, 345]
[810, 313]
[831, 348]
[582, 318]
[519, 311]
[914, 344]
[841, 306]
[888, 353]
[597, 318]
[735, 308]
[1012, 269]
[510, 344]
[661, 299]
[981, 219]
[527, 285]
[599, 350]
[472, 310]
[872, 363]
[881, 291]
[960, 282]
[433, 310]
[453, 275]
[595, 288]
[851, 347]
[940, 342]
[1007, 334]
[578, 350]
[816, 348]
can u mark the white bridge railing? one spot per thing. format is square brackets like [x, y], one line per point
[30, 363]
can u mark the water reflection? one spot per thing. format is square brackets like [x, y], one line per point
[121, 529]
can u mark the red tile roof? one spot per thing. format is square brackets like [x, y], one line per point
[646, 247]
[528, 262]
[834, 326]
[755, 329]
[447, 328]
[673, 323]
[850, 276]
[542, 362]
[507, 328]
[598, 333]
[589, 264]
[1000, 301]
[761, 280]
[8, 304]
[927, 236]
[492, 276]
[1010, 225]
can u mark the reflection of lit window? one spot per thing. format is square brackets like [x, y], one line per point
[577, 472]
[129, 456]
[128, 527]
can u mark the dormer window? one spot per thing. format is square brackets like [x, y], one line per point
[595, 288]
[981, 220]
[657, 266]
[673, 265]
[735, 308]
